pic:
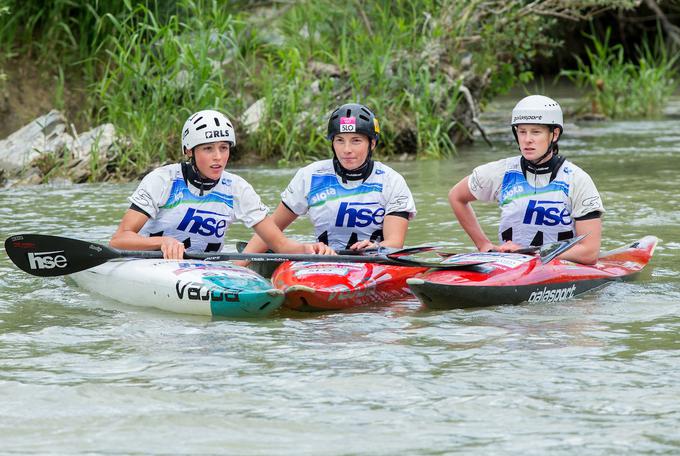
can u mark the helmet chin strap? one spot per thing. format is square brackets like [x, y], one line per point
[539, 166]
[193, 176]
[548, 152]
[360, 173]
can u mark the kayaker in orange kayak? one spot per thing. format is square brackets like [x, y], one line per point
[353, 201]
[189, 206]
[543, 197]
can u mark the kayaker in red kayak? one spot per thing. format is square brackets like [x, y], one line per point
[543, 197]
[189, 206]
[353, 201]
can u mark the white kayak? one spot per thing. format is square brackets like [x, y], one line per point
[188, 286]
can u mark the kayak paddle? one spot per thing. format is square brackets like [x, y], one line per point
[49, 256]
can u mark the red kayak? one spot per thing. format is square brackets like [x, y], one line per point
[312, 286]
[510, 278]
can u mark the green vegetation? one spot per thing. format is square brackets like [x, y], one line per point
[620, 88]
[4, 11]
[147, 65]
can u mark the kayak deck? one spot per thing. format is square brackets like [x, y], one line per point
[337, 286]
[188, 287]
[513, 279]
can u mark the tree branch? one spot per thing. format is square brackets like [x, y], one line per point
[473, 110]
[672, 31]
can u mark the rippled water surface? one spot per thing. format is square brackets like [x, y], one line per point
[599, 374]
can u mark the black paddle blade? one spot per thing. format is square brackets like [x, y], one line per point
[49, 256]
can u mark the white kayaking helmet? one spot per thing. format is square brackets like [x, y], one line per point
[537, 109]
[207, 126]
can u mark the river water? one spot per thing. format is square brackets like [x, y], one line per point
[599, 374]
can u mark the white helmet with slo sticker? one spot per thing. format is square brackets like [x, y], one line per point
[205, 127]
[537, 109]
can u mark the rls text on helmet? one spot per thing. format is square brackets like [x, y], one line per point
[207, 126]
[216, 134]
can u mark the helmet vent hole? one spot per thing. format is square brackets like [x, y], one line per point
[229, 125]
[363, 117]
[201, 127]
[349, 113]
[197, 120]
[217, 122]
[368, 113]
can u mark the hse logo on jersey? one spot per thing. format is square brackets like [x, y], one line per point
[47, 260]
[205, 223]
[359, 215]
[548, 213]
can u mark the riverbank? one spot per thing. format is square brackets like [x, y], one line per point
[428, 70]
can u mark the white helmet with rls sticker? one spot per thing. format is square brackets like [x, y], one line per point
[207, 126]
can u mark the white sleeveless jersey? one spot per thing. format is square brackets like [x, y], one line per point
[539, 212]
[200, 222]
[345, 213]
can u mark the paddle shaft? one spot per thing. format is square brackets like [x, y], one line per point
[48, 256]
[278, 257]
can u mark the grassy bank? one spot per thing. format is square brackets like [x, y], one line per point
[147, 65]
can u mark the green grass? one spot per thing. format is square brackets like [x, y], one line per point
[149, 64]
[4, 11]
[621, 88]
[155, 74]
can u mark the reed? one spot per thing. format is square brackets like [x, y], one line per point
[156, 73]
[622, 88]
[148, 64]
[4, 11]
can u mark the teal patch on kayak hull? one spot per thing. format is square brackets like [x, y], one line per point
[246, 298]
[248, 305]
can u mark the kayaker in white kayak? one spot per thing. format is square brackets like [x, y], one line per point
[189, 206]
[543, 197]
[353, 201]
